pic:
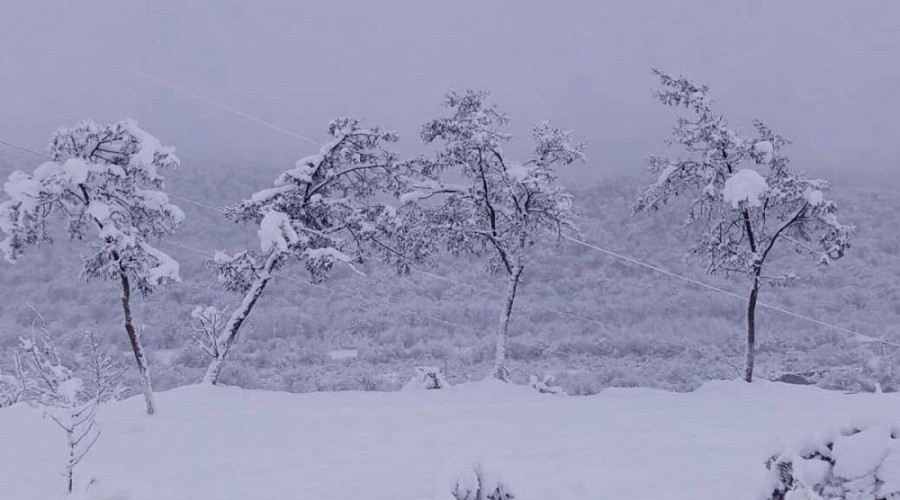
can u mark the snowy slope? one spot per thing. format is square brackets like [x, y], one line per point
[228, 443]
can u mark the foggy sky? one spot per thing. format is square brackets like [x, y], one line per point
[824, 73]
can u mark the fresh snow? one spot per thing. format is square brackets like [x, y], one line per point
[518, 172]
[99, 211]
[765, 149]
[275, 231]
[166, 267]
[327, 253]
[813, 197]
[889, 472]
[149, 147]
[745, 185]
[861, 453]
[214, 443]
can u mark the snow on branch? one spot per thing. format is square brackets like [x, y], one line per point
[105, 182]
[503, 205]
[69, 397]
[744, 195]
[323, 210]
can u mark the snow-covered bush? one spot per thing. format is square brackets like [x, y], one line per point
[856, 464]
[480, 485]
[14, 387]
[426, 377]
[545, 385]
[207, 324]
[495, 206]
[71, 397]
[745, 200]
[105, 183]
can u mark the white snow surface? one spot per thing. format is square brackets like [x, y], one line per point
[814, 197]
[765, 149]
[861, 453]
[275, 231]
[166, 267]
[745, 185]
[889, 472]
[214, 443]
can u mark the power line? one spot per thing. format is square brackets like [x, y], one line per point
[854, 335]
[859, 337]
[196, 250]
[173, 195]
[23, 148]
[222, 106]
[498, 295]
[195, 202]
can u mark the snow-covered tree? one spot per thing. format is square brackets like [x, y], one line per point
[496, 206]
[69, 398]
[320, 213]
[207, 324]
[745, 200]
[104, 182]
[102, 370]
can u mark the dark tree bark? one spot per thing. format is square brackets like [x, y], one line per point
[136, 347]
[500, 370]
[237, 319]
[751, 328]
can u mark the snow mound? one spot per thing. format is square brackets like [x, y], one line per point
[745, 186]
[854, 464]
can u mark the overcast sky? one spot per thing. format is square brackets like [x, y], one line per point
[826, 73]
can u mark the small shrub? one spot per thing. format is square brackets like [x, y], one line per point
[477, 485]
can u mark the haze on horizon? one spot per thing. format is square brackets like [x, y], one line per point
[823, 73]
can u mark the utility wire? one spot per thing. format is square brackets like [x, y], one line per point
[195, 202]
[859, 337]
[854, 335]
[173, 195]
[216, 104]
[23, 148]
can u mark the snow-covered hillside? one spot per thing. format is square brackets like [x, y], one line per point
[216, 443]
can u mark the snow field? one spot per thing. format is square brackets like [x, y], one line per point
[215, 443]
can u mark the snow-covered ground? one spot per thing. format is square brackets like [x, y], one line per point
[218, 443]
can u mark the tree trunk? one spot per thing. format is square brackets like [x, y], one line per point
[70, 465]
[141, 360]
[229, 334]
[500, 370]
[751, 330]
